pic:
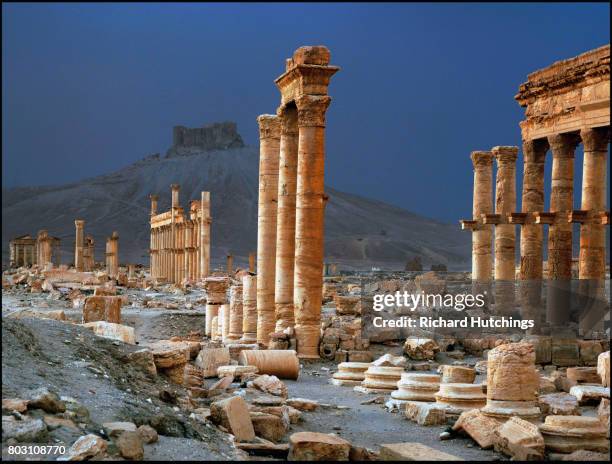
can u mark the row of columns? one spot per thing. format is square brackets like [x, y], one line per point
[180, 248]
[291, 203]
[112, 255]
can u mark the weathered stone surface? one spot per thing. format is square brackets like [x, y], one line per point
[14, 404]
[416, 387]
[130, 446]
[425, 413]
[123, 333]
[589, 393]
[603, 368]
[86, 447]
[168, 354]
[210, 359]
[519, 439]
[102, 308]
[25, 430]
[583, 374]
[114, 429]
[233, 414]
[559, 404]
[421, 348]
[565, 434]
[413, 452]
[459, 397]
[147, 433]
[269, 384]
[144, 359]
[580, 456]
[57, 315]
[270, 426]
[383, 378]
[54, 422]
[457, 374]
[236, 371]
[302, 404]
[42, 398]
[314, 446]
[479, 427]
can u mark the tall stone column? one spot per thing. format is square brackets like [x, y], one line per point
[560, 231]
[205, 235]
[310, 204]
[153, 253]
[269, 141]
[285, 227]
[592, 264]
[173, 270]
[482, 263]
[78, 249]
[249, 309]
[113, 268]
[230, 264]
[534, 158]
[505, 234]
[252, 257]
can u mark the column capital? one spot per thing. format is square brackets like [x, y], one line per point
[312, 109]
[505, 154]
[79, 223]
[288, 119]
[153, 197]
[175, 187]
[269, 126]
[595, 139]
[563, 145]
[534, 151]
[481, 159]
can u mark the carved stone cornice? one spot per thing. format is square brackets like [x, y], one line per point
[269, 126]
[312, 109]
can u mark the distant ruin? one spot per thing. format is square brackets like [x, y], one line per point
[216, 136]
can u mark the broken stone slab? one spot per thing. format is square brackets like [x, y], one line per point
[558, 404]
[144, 359]
[520, 440]
[25, 430]
[102, 308]
[269, 426]
[425, 413]
[236, 371]
[265, 448]
[114, 429]
[566, 434]
[233, 414]
[167, 354]
[122, 333]
[603, 368]
[14, 404]
[303, 404]
[148, 434]
[361, 356]
[589, 393]
[57, 315]
[583, 375]
[54, 422]
[603, 412]
[315, 446]
[130, 446]
[269, 384]
[268, 400]
[210, 359]
[388, 360]
[413, 452]
[546, 386]
[479, 427]
[421, 349]
[589, 351]
[86, 447]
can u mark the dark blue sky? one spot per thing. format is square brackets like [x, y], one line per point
[89, 88]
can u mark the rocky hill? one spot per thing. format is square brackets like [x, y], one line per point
[359, 232]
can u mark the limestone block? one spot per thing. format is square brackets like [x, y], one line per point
[57, 315]
[589, 352]
[583, 374]
[167, 354]
[236, 371]
[479, 427]
[102, 308]
[421, 349]
[603, 368]
[14, 404]
[589, 393]
[314, 446]
[114, 429]
[269, 426]
[119, 332]
[129, 444]
[347, 304]
[390, 360]
[269, 384]
[360, 356]
[27, 430]
[603, 412]
[566, 434]
[413, 452]
[86, 447]
[511, 374]
[457, 374]
[302, 404]
[233, 414]
[519, 439]
[425, 413]
[565, 352]
[210, 359]
[558, 404]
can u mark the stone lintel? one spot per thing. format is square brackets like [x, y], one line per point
[542, 217]
[492, 218]
[519, 218]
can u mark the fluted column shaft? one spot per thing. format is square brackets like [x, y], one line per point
[285, 227]
[310, 204]
[505, 203]
[78, 249]
[482, 262]
[205, 235]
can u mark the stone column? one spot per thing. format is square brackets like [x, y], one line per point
[560, 232]
[172, 245]
[78, 249]
[230, 264]
[205, 235]
[252, 262]
[534, 158]
[285, 227]
[236, 310]
[310, 204]
[153, 253]
[505, 234]
[154, 199]
[113, 269]
[592, 263]
[249, 309]
[482, 264]
[269, 135]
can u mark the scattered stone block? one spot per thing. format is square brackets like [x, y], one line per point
[589, 351]
[589, 393]
[26, 430]
[559, 404]
[122, 333]
[603, 368]
[14, 404]
[314, 446]
[360, 356]
[421, 349]
[583, 374]
[479, 427]
[603, 412]
[269, 384]
[210, 359]
[148, 434]
[86, 447]
[425, 413]
[42, 398]
[102, 308]
[114, 429]
[302, 404]
[130, 446]
[388, 360]
[413, 452]
[519, 439]
[269, 426]
[57, 315]
[233, 414]
[144, 359]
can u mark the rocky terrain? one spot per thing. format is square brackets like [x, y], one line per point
[359, 232]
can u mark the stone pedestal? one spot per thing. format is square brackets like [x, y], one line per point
[457, 374]
[566, 434]
[212, 311]
[416, 387]
[350, 373]
[236, 309]
[460, 397]
[381, 379]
